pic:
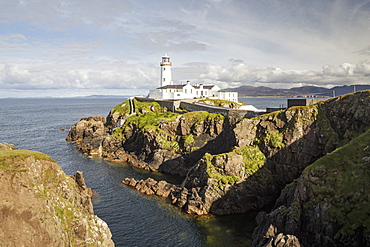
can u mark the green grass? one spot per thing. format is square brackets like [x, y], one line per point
[344, 181]
[253, 158]
[198, 116]
[144, 107]
[122, 108]
[151, 119]
[9, 157]
[140, 107]
[274, 138]
[189, 139]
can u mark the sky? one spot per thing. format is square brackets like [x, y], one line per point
[64, 48]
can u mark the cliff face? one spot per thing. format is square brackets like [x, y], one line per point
[151, 137]
[244, 166]
[41, 206]
[271, 151]
[328, 205]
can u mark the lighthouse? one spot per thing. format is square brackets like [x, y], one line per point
[166, 77]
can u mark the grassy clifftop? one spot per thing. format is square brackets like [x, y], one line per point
[8, 158]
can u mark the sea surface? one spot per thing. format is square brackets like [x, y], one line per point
[262, 103]
[134, 219]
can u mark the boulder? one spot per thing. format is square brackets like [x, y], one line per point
[89, 133]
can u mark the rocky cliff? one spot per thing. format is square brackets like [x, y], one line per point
[328, 205]
[41, 206]
[241, 167]
[151, 137]
[270, 152]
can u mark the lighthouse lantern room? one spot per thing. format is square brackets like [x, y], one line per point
[166, 77]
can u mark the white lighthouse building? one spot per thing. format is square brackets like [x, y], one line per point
[169, 91]
[166, 73]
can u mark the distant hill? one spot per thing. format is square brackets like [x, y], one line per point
[307, 91]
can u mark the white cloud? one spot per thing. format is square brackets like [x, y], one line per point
[242, 74]
[105, 44]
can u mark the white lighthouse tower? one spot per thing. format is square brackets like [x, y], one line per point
[166, 77]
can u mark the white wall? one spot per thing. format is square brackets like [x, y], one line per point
[231, 96]
[166, 75]
[189, 92]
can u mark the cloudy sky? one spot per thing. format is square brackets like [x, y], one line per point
[83, 47]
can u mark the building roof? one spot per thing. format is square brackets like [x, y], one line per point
[205, 87]
[172, 87]
[183, 85]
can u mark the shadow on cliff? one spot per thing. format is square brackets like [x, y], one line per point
[331, 129]
[222, 143]
[261, 189]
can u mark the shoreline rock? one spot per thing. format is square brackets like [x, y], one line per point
[151, 186]
[42, 206]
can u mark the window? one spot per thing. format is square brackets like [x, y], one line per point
[186, 91]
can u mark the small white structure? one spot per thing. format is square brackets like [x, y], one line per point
[168, 91]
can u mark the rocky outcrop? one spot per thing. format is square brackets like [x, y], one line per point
[271, 238]
[41, 206]
[233, 169]
[151, 186]
[328, 204]
[80, 180]
[151, 138]
[89, 133]
[286, 142]
[229, 169]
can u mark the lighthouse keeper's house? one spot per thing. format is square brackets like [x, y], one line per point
[168, 91]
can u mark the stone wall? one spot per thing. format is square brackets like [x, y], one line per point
[172, 105]
[234, 115]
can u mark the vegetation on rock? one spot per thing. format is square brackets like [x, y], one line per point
[213, 170]
[150, 119]
[274, 138]
[220, 102]
[198, 116]
[253, 158]
[233, 169]
[344, 185]
[8, 158]
[41, 206]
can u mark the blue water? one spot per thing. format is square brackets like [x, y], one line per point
[134, 219]
[263, 102]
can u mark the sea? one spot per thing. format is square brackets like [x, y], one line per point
[42, 124]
